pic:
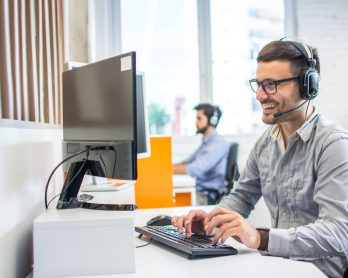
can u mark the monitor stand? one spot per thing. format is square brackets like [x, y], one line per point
[77, 170]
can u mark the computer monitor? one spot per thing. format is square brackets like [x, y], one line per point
[143, 140]
[143, 136]
[100, 122]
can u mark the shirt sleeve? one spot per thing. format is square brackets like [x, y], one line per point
[210, 155]
[247, 191]
[328, 235]
[192, 157]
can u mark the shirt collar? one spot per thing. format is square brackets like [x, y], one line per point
[211, 135]
[304, 131]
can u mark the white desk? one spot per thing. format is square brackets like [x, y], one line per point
[157, 260]
[185, 184]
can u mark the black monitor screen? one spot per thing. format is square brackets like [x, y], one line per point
[99, 101]
[99, 111]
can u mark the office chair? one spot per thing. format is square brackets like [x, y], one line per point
[232, 174]
[232, 171]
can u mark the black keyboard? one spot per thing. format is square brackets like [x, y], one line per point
[195, 246]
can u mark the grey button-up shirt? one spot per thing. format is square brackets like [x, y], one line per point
[305, 187]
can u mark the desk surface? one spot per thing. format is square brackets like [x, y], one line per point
[183, 181]
[157, 260]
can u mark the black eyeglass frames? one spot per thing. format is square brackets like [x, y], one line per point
[268, 86]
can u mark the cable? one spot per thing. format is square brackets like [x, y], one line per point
[102, 160]
[67, 187]
[65, 160]
[113, 172]
[139, 246]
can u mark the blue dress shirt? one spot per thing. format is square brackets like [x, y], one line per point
[208, 163]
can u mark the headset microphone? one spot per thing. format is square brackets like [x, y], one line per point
[278, 114]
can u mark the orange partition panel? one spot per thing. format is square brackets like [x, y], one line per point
[183, 199]
[154, 186]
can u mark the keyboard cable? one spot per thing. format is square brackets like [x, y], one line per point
[139, 236]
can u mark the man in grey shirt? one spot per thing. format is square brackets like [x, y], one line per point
[299, 165]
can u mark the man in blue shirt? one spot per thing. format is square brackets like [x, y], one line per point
[208, 163]
[299, 166]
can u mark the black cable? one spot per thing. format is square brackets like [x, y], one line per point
[102, 160]
[139, 246]
[65, 160]
[53, 199]
[67, 187]
[113, 172]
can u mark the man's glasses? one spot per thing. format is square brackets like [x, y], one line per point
[268, 86]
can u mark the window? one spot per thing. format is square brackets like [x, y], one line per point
[239, 29]
[164, 36]
[167, 39]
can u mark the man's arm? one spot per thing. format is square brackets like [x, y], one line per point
[247, 191]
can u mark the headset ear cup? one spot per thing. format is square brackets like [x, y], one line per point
[302, 81]
[309, 83]
[213, 120]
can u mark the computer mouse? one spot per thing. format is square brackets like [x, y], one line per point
[160, 220]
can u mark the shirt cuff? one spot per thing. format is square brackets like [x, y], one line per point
[279, 242]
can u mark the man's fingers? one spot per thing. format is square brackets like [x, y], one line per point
[188, 222]
[218, 221]
[217, 211]
[179, 223]
[174, 219]
[226, 231]
[194, 217]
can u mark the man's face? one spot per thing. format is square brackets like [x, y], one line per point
[201, 120]
[286, 97]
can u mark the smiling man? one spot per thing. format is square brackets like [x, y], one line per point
[299, 166]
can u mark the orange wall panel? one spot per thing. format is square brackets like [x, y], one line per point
[154, 186]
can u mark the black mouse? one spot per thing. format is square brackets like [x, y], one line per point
[160, 220]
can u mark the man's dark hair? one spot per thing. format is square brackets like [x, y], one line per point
[285, 50]
[208, 110]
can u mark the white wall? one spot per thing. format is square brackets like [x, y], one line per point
[27, 158]
[324, 24]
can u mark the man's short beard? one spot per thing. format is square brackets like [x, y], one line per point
[202, 130]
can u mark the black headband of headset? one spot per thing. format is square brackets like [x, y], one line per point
[304, 49]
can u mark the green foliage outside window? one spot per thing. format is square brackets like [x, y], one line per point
[158, 118]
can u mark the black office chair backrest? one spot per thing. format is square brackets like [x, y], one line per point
[232, 172]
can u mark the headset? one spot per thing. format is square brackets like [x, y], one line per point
[214, 119]
[309, 77]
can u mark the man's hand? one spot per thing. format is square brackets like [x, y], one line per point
[179, 168]
[193, 222]
[231, 224]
